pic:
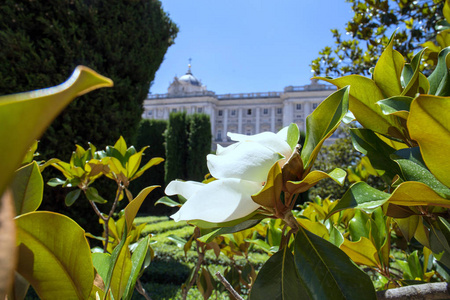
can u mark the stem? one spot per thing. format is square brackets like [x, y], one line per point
[201, 257]
[97, 211]
[106, 220]
[228, 286]
[141, 290]
[290, 220]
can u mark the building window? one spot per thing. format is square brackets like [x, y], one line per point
[298, 106]
[150, 112]
[220, 113]
[174, 110]
[265, 111]
[249, 112]
[248, 132]
[233, 112]
[219, 135]
[199, 109]
[279, 111]
[314, 105]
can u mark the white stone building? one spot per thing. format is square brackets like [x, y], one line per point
[246, 113]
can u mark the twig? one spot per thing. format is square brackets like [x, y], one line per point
[113, 208]
[141, 290]
[427, 291]
[201, 257]
[228, 286]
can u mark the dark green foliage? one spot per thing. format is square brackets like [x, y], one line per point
[369, 31]
[42, 41]
[188, 141]
[176, 147]
[151, 133]
[199, 145]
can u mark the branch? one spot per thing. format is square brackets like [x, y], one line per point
[427, 291]
[228, 286]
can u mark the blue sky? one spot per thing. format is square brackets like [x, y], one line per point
[240, 46]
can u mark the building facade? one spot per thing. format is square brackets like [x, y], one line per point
[245, 113]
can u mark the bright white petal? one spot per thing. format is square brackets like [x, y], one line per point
[183, 188]
[273, 141]
[220, 201]
[248, 160]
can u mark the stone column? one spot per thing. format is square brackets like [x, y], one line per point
[288, 112]
[257, 120]
[225, 125]
[272, 119]
[166, 114]
[240, 120]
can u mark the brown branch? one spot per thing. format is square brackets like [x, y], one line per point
[141, 290]
[228, 286]
[427, 291]
[113, 208]
[201, 257]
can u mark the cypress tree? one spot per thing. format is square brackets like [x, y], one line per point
[199, 145]
[176, 147]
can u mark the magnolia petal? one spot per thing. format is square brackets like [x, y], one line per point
[220, 201]
[273, 141]
[244, 160]
[183, 188]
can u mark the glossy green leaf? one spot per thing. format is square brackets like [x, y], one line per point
[28, 188]
[121, 146]
[54, 256]
[293, 135]
[428, 124]
[278, 279]
[295, 187]
[378, 152]
[359, 226]
[416, 82]
[208, 237]
[121, 271]
[440, 78]
[92, 195]
[101, 262]
[336, 237]
[408, 226]
[72, 196]
[38, 108]
[412, 193]
[414, 169]
[388, 71]
[205, 225]
[137, 261]
[327, 272]
[168, 202]
[133, 207]
[321, 124]
[364, 95]
[361, 196]
[179, 241]
[440, 246]
[397, 105]
[55, 182]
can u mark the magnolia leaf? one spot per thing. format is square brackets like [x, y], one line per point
[361, 196]
[317, 228]
[38, 108]
[206, 238]
[57, 263]
[121, 146]
[28, 188]
[397, 105]
[414, 169]
[8, 253]
[440, 78]
[321, 264]
[336, 237]
[362, 252]
[137, 261]
[295, 187]
[133, 207]
[359, 226]
[209, 225]
[55, 182]
[408, 226]
[321, 124]
[388, 70]
[412, 193]
[179, 241]
[92, 195]
[368, 143]
[416, 82]
[133, 162]
[72, 196]
[440, 245]
[278, 279]
[121, 271]
[293, 135]
[428, 125]
[152, 162]
[204, 283]
[168, 202]
[364, 95]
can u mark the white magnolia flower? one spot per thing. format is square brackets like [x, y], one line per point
[240, 169]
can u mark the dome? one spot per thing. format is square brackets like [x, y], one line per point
[189, 78]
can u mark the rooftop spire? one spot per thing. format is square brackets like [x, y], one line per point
[189, 67]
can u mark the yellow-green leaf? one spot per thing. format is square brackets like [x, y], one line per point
[28, 188]
[295, 187]
[429, 125]
[362, 252]
[54, 256]
[121, 146]
[412, 193]
[38, 108]
[408, 226]
[388, 71]
[269, 196]
[315, 227]
[121, 271]
[133, 207]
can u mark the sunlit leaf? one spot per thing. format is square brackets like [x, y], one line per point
[54, 256]
[133, 207]
[28, 188]
[269, 196]
[362, 252]
[168, 202]
[397, 105]
[38, 108]
[295, 187]
[412, 193]
[440, 78]
[137, 261]
[293, 135]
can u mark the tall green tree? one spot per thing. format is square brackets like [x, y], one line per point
[176, 147]
[199, 145]
[43, 40]
[369, 30]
